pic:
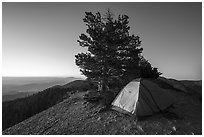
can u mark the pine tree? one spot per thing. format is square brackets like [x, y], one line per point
[113, 54]
[146, 69]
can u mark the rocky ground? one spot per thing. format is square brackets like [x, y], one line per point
[76, 116]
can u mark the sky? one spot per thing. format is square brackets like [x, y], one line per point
[40, 39]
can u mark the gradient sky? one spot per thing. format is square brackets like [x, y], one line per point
[40, 39]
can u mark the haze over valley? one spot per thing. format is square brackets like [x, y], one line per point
[18, 87]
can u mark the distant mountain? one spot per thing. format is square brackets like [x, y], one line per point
[16, 87]
[196, 86]
[29, 80]
[182, 85]
[18, 110]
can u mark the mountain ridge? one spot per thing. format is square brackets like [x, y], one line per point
[15, 87]
[73, 115]
[15, 111]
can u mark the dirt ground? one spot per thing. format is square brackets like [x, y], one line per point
[76, 116]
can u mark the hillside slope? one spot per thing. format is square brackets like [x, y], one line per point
[75, 116]
[16, 95]
[18, 110]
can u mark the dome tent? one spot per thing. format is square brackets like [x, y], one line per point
[142, 97]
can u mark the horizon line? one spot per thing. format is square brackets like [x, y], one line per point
[44, 76]
[85, 77]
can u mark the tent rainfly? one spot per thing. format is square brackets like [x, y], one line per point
[142, 97]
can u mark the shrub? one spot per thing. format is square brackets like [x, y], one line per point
[92, 96]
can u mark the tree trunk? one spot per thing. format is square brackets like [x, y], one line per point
[103, 85]
[105, 94]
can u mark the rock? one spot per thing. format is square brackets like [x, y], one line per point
[99, 118]
[140, 128]
[85, 102]
[174, 128]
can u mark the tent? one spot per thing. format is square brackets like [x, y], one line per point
[142, 97]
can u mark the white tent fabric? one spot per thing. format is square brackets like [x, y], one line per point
[128, 97]
[142, 97]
